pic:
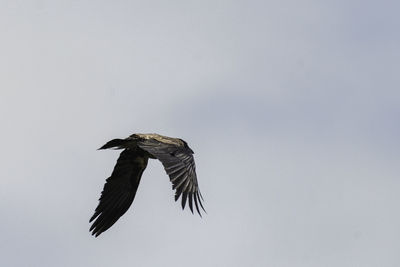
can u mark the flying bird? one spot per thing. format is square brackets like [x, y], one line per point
[120, 188]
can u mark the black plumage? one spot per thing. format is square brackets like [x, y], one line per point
[120, 188]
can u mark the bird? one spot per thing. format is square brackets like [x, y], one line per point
[120, 188]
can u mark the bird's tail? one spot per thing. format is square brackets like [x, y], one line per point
[116, 144]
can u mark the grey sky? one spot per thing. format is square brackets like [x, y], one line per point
[292, 109]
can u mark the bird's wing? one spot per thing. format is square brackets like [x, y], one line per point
[179, 164]
[119, 191]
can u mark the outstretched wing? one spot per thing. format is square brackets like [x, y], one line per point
[119, 190]
[179, 164]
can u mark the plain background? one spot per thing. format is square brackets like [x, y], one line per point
[292, 109]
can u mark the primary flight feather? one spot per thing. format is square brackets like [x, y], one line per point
[120, 188]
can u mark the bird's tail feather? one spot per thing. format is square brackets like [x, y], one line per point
[116, 144]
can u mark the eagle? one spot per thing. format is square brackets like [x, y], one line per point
[120, 188]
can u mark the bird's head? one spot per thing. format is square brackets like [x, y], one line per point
[185, 145]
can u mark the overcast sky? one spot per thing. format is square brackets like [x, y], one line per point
[292, 109]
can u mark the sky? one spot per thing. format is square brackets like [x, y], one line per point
[292, 109]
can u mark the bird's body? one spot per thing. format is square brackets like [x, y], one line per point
[120, 188]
